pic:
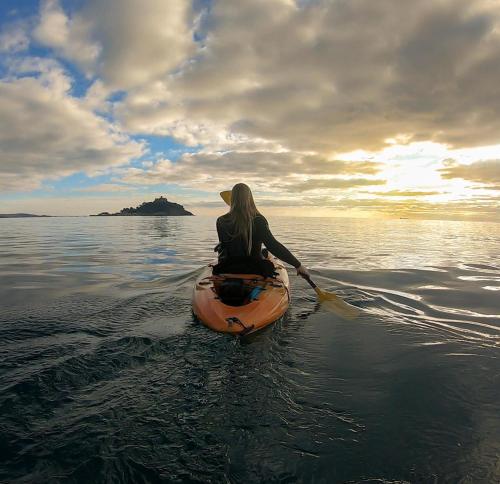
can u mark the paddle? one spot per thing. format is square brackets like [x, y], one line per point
[328, 299]
[333, 302]
[226, 196]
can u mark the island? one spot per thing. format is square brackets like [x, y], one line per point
[160, 206]
[20, 215]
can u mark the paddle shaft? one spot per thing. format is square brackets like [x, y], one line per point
[311, 283]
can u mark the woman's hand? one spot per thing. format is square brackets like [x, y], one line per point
[303, 272]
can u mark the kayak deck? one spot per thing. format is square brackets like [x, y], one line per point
[240, 303]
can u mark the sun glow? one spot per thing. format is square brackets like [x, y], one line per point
[415, 167]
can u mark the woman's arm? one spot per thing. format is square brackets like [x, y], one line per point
[275, 247]
[218, 225]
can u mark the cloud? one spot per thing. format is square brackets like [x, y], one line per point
[407, 193]
[486, 172]
[125, 42]
[473, 209]
[71, 38]
[488, 187]
[331, 183]
[145, 41]
[260, 163]
[106, 188]
[14, 38]
[334, 76]
[260, 167]
[46, 133]
[341, 205]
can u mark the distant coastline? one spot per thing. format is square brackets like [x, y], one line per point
[159, 207]
[21, 215]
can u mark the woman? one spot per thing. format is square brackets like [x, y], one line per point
[242, 231]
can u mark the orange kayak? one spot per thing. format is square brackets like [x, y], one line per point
[240, 303]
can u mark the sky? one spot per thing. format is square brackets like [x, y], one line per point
[350, 108]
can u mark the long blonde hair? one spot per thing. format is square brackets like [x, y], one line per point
[242, 213]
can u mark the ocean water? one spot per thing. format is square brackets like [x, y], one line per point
[106, 377]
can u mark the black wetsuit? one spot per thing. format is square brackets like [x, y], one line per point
[230, 248]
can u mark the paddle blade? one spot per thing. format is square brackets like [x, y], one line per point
[226, 196]
[337, 305]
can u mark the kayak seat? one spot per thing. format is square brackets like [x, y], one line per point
[234, 292]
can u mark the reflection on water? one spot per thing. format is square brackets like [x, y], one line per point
[106, 377]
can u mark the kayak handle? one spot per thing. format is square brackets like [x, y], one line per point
[245, 330]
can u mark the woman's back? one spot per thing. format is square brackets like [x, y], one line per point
[232, 245]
